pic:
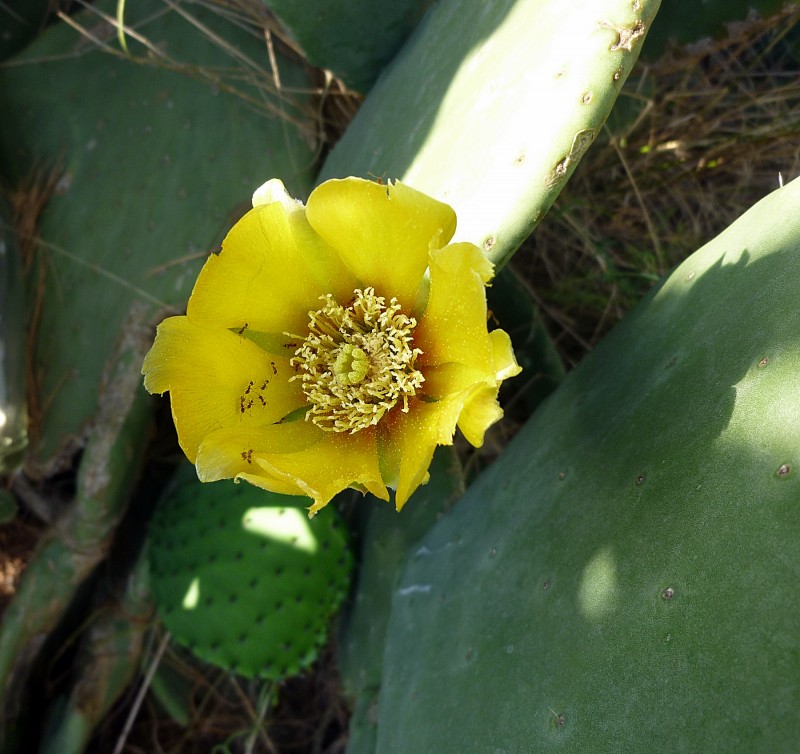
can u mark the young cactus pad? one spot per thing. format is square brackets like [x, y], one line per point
[244, 579]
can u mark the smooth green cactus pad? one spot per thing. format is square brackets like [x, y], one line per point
[244, 579]
[624, 577]
[153, 167]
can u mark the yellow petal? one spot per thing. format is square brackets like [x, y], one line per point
[409, 439]
[337, 462]
[271, 272]
[270, 483]
[217, 379]
[505, 363]
[274, 191]
[382, 232]
[453, 327]
[234, 451]
[444, 380]
[480, 411]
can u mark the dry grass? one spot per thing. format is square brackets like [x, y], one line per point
[708, 132]
[227, 714]
[320, 112]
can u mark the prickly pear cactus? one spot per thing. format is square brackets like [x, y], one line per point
[244, 579]
[151, 170]
[386, 538]
[353, 38]
[624, 578]
[20, 22]
[490, 106]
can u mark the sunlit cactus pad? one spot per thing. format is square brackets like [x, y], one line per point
[244, 579]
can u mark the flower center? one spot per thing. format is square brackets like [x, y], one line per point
[357, 361]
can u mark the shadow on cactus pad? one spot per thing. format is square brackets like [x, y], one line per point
[626, 573]
[244, 579]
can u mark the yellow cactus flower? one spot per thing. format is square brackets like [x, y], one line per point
[333, 345]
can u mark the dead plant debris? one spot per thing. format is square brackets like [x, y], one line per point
[697, 138]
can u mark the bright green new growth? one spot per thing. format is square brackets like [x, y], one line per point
[624, 577]
[244, 578]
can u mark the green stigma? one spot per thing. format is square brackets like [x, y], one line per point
[351, 365]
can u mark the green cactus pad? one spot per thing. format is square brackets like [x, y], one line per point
[624, 578]
[20, 21]
[489, 106]
[153, 168]
[386, 539]
[353, 38]
[244, 579]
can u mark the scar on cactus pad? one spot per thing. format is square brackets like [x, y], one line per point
[244, 579]
[334, 345]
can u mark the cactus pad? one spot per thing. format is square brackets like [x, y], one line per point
[244, 579]
[624, 577]
[153, 167]
[489, 106]
[353, 38]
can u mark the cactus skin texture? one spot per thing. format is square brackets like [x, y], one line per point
[353, 38]
[21, 21]
[154, 168]
[386, 539]
[624, 578]
[489, 107]
[244, 579]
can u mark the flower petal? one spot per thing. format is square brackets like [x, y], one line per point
[271, 272]
[505, 362]
[383, 233]
[480, 411]
[217, 379]
[409, 439]
[444, 380]
[335, 463]
[264, 481]
[453, 327]
[233, 451]
[274, 191]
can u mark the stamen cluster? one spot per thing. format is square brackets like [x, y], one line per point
[357, 361]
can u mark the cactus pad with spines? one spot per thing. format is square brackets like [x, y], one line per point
[244, 579]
